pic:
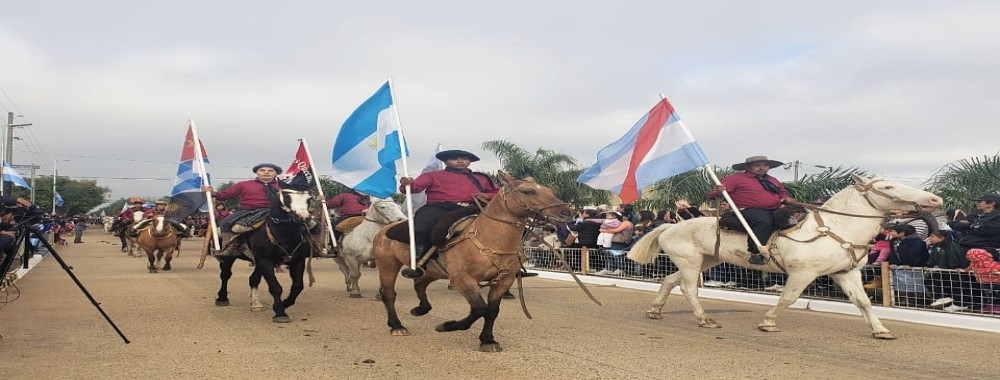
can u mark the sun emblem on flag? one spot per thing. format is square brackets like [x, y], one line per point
[373, 143]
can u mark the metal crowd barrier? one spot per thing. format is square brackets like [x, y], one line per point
[931, 289]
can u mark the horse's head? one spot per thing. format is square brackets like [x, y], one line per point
[294, 200]
[525, 198]
[884, 195]
[385, 211]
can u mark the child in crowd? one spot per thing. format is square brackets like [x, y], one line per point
[987, 273]
[609, 222]
[946, 285]
[907, 250]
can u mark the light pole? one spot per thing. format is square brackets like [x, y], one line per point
[55, 176]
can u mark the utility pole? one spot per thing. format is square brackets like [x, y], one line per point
[9, 151]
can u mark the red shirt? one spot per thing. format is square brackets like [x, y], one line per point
[349, 203]
[452, 186]
[747, 191]
[127, 214]
[250, 193]
[152, 212]
[221, 214]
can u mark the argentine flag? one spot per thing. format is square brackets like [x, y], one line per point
[58, 200]
[10, 175]
[368, 145]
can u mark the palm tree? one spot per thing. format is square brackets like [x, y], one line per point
[824, 184]
[556, 170]
[966, 179]
[693, 185]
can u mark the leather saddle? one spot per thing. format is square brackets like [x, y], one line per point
[449, 224]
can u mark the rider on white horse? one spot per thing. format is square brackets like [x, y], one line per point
[757, 195]
[135, 205]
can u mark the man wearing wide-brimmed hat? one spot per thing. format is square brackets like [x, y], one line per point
[450, 189]
[159, 209]
[757, 195]
[982, 228]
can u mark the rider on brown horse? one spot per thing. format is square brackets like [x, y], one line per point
[125, 217]
[450, 189]
[160, 209]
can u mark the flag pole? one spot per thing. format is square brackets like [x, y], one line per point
[205, 182]
[319, 190]
[406, 173]
[725, 194]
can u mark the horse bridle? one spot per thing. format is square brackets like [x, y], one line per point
[377, 210]
[534, 213]
[869, 187]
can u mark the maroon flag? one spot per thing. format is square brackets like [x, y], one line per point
[300, 173]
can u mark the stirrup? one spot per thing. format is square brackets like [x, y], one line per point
[239, 229]
[757, 259]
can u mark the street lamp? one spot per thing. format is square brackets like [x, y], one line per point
[55, 176]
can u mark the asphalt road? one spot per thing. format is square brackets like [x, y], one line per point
[51, 331]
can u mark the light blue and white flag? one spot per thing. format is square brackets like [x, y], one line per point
[433, 165]
[368, 146]
[10, 175]
[186, 197]
[58, 200]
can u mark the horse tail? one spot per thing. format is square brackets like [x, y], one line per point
[645, 249]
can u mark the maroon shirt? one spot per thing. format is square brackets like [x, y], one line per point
[250, 192]
[127, 214]
[152, 212]
[221, 214]
[348, 203]
[747, 191]
[452, 186]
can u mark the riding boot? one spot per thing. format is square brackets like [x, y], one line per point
[232, 246]
[419, 271]
[756, 258]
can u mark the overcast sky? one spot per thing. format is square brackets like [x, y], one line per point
[900, 88]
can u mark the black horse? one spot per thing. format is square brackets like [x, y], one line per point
[283, 239]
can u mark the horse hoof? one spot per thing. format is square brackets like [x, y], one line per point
[884, 335]
[400, 332]
[710, 324]
[166, 269]
[152, 271]
[221, 303]
[653, 315]
[281, 319]
[508, 296]
[418, 311]
[378, 297]
[768, 328]
[490, 347]
[354, 295]
[257, 308]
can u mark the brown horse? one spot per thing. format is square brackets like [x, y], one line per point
[159, 240]
[487, 251]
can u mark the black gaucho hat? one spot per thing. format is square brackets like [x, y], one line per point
[266, 165]
[449, 154]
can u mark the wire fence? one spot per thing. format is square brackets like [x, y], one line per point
[931, 289]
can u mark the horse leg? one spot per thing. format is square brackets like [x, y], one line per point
[169, 255]
[151, 257]
[794, 286]
[850, 283]
[486, 341]
[352, 277]
[121, 236]
[159, 256]
[255, 304]
[296, 269]
[469, 289]
[266, 269]
[225, 273]
[388, 272]
[669, 283]
[342, 265]
[420, 286]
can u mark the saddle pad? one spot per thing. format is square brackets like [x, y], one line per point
[442, 229]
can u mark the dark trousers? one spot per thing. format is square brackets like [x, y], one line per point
[424, 219]
[761, 222]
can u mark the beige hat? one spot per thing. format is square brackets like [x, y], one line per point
[770, 163]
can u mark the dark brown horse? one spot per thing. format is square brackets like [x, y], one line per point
[487, 251]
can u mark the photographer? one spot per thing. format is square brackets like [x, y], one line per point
[7, 222]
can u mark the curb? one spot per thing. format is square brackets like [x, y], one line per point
[932, 318]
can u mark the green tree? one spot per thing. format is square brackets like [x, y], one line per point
[79, 196]
[824, 184]
[556, 170]
[693, 185]
[966, 179]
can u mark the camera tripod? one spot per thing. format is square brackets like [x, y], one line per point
[23, 232]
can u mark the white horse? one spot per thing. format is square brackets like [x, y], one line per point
[830, 241]
[107, 222]
[130, 243]
[356, 246]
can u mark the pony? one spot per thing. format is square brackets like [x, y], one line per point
[160, 240]
[831, 240]
[284, 238]
[124, 230]
[356, 245]
[487, 251]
